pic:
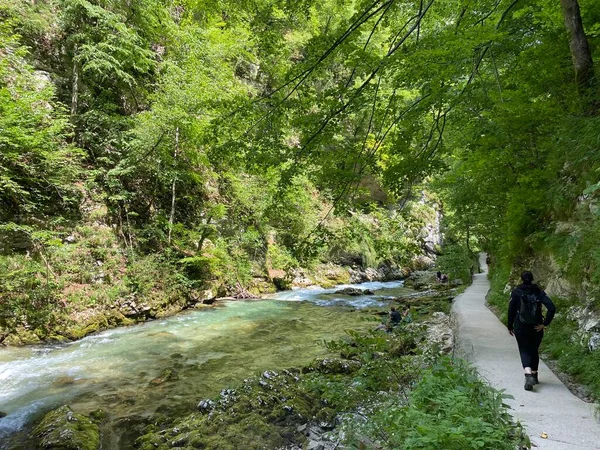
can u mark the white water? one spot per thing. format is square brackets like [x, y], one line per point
[208, 348]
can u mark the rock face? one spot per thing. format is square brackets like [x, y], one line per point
[420, 279]
[439, 333]
[63, 429]
[551, 275]
[383, 273]
[594, 342]
[588, 320]
[353, 292]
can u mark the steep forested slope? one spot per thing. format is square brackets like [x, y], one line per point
[229, 140]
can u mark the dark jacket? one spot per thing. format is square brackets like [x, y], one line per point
[515, 303]
[396, 317]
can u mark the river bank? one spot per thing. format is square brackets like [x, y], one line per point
[161, 369]
[197, 351]
[69, 323]
[253, 376]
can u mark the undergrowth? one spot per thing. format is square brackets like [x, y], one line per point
[449, 408]
[563, 342]
[389, 391]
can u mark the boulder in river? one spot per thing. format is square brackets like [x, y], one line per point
[355, 292]
[63, 429]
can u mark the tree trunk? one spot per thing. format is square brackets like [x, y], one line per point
[578, 43]
[469, 239]
[74, 85]
[173, 186]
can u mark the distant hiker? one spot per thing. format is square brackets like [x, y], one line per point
[526, 323]
[438, 276]
[406, 317]
[395, 317]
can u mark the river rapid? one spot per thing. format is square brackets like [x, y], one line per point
[166, 366]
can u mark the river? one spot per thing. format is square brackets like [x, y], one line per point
[166, 366]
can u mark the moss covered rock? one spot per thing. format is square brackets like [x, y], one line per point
[63, 429]
[333, 366]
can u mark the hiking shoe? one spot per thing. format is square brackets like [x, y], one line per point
[535, 378]
[529, 382]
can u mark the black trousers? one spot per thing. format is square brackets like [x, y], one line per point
[529, 342]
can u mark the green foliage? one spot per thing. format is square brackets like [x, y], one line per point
[38, 167]
[450, 408]
[457, 262]
[565, 343]
[29, 295]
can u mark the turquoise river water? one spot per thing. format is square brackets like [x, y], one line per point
[204, 351]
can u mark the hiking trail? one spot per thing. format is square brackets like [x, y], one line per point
[570, 423]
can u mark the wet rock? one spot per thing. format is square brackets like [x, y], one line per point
[353, 291]
[166, 375]
[270, 375]
[63, 429]
[206, 405]
[63, 381]
[360, 275]
[333, 366]
[264, 384]
[227, 397]
[300, 279]
[98, 416]
[2, 414]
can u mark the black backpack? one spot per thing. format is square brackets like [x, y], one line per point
[528, 308]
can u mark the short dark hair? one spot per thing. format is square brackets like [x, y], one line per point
[392, 309]
[527, 277]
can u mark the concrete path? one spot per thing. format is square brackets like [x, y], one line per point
[570, 423]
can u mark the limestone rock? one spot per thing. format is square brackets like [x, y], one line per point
[439, 332]
[63, 429]
[594, 342]
[353, 291]
[333, 366]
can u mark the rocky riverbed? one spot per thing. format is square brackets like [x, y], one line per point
[300, 407]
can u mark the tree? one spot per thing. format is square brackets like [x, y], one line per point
[578, 43]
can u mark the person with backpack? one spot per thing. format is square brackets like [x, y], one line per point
[526, 323]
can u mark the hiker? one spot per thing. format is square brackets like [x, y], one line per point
[406, 317]
[395, 319]
[526, 323]
[438, 276]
